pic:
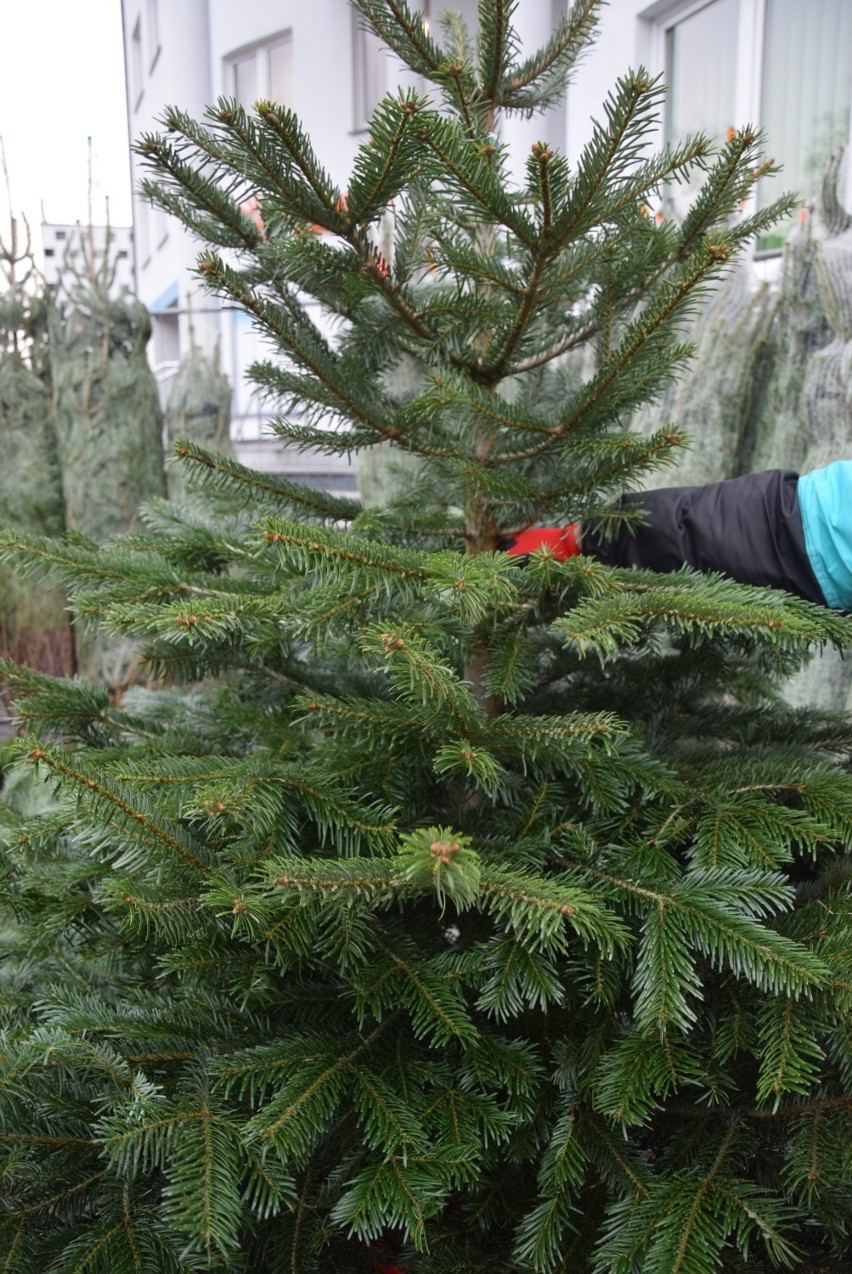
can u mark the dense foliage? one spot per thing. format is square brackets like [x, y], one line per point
[439, 913]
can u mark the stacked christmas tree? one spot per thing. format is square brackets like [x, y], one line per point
[441, 913]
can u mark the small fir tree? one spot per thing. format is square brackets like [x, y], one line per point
[465, 916]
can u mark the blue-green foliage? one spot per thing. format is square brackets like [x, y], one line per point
[429, 910]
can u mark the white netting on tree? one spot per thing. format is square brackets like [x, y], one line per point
[199, 408]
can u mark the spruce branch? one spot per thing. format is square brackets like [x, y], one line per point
[496, 45]
[315, 1083]
[724, 933]
[405, 32]
[700, 603]
[388, 161]
[103, 792]
[283, 125]
[790, 1051]
[539, 911]
[301, 340]
[550, 64]
[198, 201]
[613, 149]
[224, 473]
[727, 183]
[467, 169]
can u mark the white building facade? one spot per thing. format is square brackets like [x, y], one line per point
[74, 253]
[784, 65]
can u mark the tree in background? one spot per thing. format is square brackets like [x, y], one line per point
[107, 422]
[81, 428]
[443, 914]
[33, 623]
[199, 408]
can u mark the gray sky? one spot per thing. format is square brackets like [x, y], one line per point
[61, 82]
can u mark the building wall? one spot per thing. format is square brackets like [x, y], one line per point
[176, 71]
[70, 251]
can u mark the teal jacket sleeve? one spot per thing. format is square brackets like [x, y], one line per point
[825, 505]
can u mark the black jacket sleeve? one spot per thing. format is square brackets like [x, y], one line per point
[747, 528]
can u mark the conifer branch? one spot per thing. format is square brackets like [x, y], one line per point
[703, 1188]
[575, 32]
[270, 1130]
[403, 33]
[392, 144]
[496, 369]
[321, 365]
[103, 789]
[454, 153]
[234, 476]
[651, 321]
[61, 1196]
[626, 110]
[495, 47]
[555, 351]
[284, 127]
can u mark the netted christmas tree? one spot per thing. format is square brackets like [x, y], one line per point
[80, 426]
[34, 625]
[443, 913]
[108, 425]
[198, 408]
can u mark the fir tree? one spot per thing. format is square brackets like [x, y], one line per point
[33, 623]
[440, 914]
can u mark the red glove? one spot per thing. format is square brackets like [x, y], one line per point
[560, 541]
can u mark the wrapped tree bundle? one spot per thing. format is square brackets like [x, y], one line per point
[800, 328]
[108, 420]
[34, 624]
[109, 439]
[715, 402]
[198, 407]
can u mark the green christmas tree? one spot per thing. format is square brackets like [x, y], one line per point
[441, 913]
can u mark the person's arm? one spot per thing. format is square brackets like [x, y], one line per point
[747, 528]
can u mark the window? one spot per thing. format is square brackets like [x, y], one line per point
[806, 92]
[701, 71]
[262, 71]
[369, 72]
[782, 64]
[135, 68]
[159, 225]
[153, 33]
[143, 225]
[166, 335]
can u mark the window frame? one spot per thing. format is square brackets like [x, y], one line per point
[254, 50]
[361, 43]
[660, 18]
[136, 69]
[153, 32]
